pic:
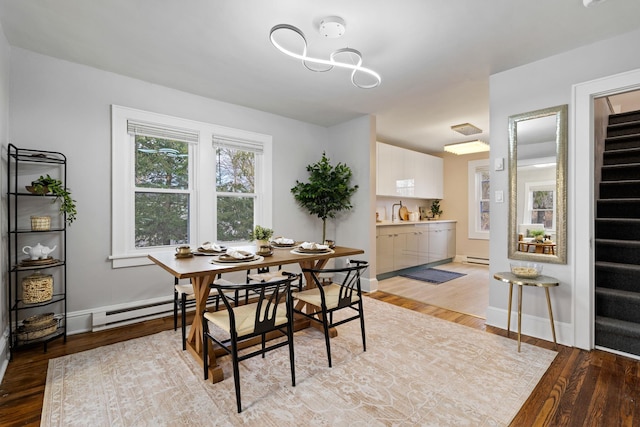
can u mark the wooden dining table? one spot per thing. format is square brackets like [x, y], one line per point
[202, 272]
[537, 247]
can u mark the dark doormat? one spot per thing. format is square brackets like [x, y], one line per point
[433, 275]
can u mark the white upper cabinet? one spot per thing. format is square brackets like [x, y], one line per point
[390, 166]
[431, 177]
[407, 173]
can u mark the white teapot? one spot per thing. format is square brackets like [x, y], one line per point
[38, 251]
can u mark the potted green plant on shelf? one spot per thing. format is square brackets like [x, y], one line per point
[435, 209]
[327, 192]
[47, 185]
[261, 235]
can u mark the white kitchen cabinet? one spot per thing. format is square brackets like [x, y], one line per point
[431, 178]
[390, 169]
[404, 246]
[423, 243]
[384, 252]
[404, 252]
[451, 240]
[437, 242]
[442, 241]
[408, 173]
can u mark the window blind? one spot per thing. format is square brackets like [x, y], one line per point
[238, 144]
[161, 131]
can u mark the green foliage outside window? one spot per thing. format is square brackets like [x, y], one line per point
[161, 218]
[162, 205]
[235, 185]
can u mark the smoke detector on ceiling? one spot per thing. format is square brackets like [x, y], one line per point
[332, 27]
[466, 129]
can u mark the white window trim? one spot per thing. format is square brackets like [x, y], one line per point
[203, 172]
[473, 190]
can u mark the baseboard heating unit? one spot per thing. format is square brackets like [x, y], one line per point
[477, 260]
[126, 314]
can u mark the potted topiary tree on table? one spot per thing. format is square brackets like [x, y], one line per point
[327, 192]
[261, 235]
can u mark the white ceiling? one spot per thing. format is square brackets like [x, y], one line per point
[434, 56]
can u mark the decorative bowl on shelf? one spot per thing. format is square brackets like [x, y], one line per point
[33, 190]
[526, 270]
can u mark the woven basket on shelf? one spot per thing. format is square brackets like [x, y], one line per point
[37, 320]
[38, 328]
[40, 223]
[37, 288]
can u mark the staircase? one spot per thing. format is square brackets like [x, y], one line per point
[617, 228]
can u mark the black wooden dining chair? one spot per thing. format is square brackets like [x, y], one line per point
[272, 311]
[344, 292]
[266, 274]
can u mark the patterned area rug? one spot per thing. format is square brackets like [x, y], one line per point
[433, 275]
[417, 370]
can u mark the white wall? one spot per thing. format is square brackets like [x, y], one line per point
[4, 138]
[62, 106]
[537, 85]
[354, 144]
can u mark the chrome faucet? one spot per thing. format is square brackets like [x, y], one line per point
[393, 210]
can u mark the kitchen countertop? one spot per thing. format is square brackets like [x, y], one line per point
[434, 221]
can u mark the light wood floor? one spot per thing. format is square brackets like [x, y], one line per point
[468, 294]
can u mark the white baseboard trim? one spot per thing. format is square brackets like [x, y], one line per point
[369, 285]
[533, 326]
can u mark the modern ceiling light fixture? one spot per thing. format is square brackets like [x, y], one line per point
[467, 147]
[331, 27]
[466, 129]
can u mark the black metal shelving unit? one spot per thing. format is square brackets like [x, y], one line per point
[24, 166]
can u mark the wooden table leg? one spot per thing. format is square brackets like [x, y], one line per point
[553, 329]
[195, 339]
[519, 314]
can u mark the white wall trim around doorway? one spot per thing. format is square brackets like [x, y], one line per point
[581, 199]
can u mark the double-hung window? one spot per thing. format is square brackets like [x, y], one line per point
[177, 181]
[162, 185]
[541, 204]
[479, 187]
[238, 194]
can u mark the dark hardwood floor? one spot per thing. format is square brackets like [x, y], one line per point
[580, 388]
